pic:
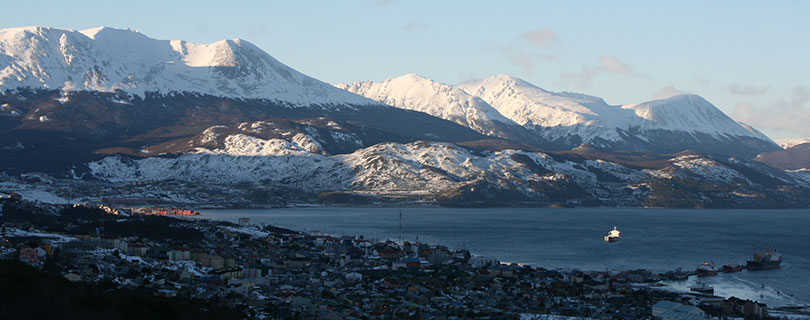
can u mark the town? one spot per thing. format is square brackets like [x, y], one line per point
[267, 272]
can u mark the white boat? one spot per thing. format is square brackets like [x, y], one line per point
[706, 269]
[613, 235]
[702, 288]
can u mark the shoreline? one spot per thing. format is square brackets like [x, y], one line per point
[314, 273]
[734, 286]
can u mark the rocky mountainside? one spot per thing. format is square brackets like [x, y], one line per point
[796, 157]
[452, 175]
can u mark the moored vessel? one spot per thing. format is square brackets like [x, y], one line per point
[702, 288]
[729, 268]
[613, 235]
[766, 259]
[706, 269]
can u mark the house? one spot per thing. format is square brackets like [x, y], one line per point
[214, 261]
[746, 308]
[137, 249]
[114, 243]
[179, 254]
[409, 263]
[670, 310]
[482, 262]
[388, 253]
[208, 260]
[257, 271]
[228, 273]
[29, 255]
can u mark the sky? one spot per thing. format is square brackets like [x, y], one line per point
[749, 58]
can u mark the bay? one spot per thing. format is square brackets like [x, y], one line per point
[654, 239]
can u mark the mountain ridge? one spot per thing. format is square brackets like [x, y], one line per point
[565, 120]
[108, 59]
[238, 127]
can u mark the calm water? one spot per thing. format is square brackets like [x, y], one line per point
[657, 239]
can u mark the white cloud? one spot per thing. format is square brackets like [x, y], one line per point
[667, 92]
[613, 65]
[789, 115]
[531, 47]
[543, 37]
[742, 90]
[607, 64]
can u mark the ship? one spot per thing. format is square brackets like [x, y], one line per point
[706, 269]
[702, 288]
[613, 235]
[729, 268]
[766, 259]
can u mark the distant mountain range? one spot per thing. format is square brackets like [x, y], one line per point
[115, 113]
[566, 120]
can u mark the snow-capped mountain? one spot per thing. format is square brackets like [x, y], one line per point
[225, 123]
[667, 125]
[447, 173]
[790, 143]
[686, 113]
[106, 59]
[82, 94]
[531, 106]
[414, 92]
[564, 120]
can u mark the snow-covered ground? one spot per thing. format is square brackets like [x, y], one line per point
[58, 238]
[41, 195]
[252, 231]
[387, 167]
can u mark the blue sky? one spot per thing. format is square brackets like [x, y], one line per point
[751, 59]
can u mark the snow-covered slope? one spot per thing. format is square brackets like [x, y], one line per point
[789, 143]
[562, 114]
[107, 59]
[762, 136]
[680, 122]
[590, 117]
[432, 171]
[418, 168]
[414, 92]
[686, 113]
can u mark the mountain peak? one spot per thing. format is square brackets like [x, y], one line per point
[413, 76]
[415, 92]
[93, 33]
[687, 112]
[109, 59]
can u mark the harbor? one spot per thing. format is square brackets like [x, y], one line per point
[268, 271]
[658, 240]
